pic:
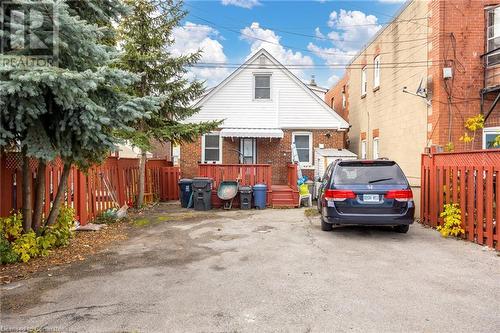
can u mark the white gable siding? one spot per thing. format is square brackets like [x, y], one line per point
[291, 105]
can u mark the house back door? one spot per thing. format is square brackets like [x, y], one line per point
[248, 149]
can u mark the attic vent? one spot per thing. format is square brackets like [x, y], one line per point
[262, 61]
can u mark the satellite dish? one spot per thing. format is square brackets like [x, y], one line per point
[421, 91]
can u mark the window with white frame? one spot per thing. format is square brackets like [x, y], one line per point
[493, 36]
[375, 148]
[376, 72]
[211, 148]
[364, 83]
[363, 149]
[344, 101]
[490, 140]
[303, 144]
[262, 84]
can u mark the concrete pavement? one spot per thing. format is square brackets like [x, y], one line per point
[263, 271]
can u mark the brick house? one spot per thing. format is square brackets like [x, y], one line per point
[265, 108]
[417, 81]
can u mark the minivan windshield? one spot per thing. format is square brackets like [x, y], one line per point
[386, 173]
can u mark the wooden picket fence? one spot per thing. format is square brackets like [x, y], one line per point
[470, 179]
[89, 193]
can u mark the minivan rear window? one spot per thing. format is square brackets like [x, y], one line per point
[360, 173]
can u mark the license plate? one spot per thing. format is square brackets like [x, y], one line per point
[370, 198]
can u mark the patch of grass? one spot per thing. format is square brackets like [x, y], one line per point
[141, 222]
[311, 212]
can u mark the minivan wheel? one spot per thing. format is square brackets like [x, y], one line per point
[402, 228]
[325, 226]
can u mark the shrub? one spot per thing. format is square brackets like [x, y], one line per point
[62, 231]
[26, 246]
[11, 227]
[452, 221]
[7, 255]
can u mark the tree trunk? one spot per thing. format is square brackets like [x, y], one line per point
[142, 179]
[27, 209]
[56, 205]
[39, 195]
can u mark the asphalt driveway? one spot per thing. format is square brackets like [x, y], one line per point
[260, 271]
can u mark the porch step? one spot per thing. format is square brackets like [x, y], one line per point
[284, 196]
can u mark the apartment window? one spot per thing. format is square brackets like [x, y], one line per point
[303, 144]
[489, 137]
[375, 148]
[376, 72]
[344, 102]
[493, 36]
[364, 83]
[211, 148]
[262, 85]
[363, 149]
[333, 103]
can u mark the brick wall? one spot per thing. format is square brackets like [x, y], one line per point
[269, 151]
[457, 39]
[334, 97]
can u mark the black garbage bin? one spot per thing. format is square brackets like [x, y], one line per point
[185, 191]
[202, 193]
[245, 197]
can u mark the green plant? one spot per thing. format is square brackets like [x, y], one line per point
[452, 221]
[26, 246]
[449, 147]
[7, 255]
[472, 124]
[11, 227]
[61, 232]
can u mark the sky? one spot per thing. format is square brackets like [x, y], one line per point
[315, 37]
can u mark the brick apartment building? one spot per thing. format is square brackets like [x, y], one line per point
[420, 78]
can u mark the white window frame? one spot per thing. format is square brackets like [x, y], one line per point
[203, 148]
[496, 34]
[364, 81]
[376, 147]
[489, 130]
[344, 104]
[363, 149]
[270, 86]
[376, 72]
[310, 162]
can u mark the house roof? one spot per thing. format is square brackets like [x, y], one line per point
[342, 124]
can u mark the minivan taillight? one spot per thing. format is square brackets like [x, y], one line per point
[339, 195]
[399, 195]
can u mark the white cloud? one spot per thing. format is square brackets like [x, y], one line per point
[352, 28]
[332, 80]
[318, 33]
[190, 38]
[350, 31]
[249, 4]
[256, 36]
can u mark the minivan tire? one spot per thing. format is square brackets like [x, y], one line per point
[325, 226]
[403, 229]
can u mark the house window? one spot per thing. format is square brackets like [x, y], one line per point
[364, 84]
[376, 72]
[303, 144]
[211, 148]
[333, 103]
[363, 149]
[343, 99]
[490, 137]
[493, 36]
[262, 86]
[375, 148]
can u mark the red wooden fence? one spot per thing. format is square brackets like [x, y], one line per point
[170, 189]
[470, 179]
[87, 193]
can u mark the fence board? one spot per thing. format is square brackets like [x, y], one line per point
[470, 179]
[85, 192]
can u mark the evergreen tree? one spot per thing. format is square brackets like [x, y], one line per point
[70, 110]
[145, 36]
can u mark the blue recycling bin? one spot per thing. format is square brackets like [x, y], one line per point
[185, 191]
[260, 196]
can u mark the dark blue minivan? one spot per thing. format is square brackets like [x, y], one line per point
[365, 192]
